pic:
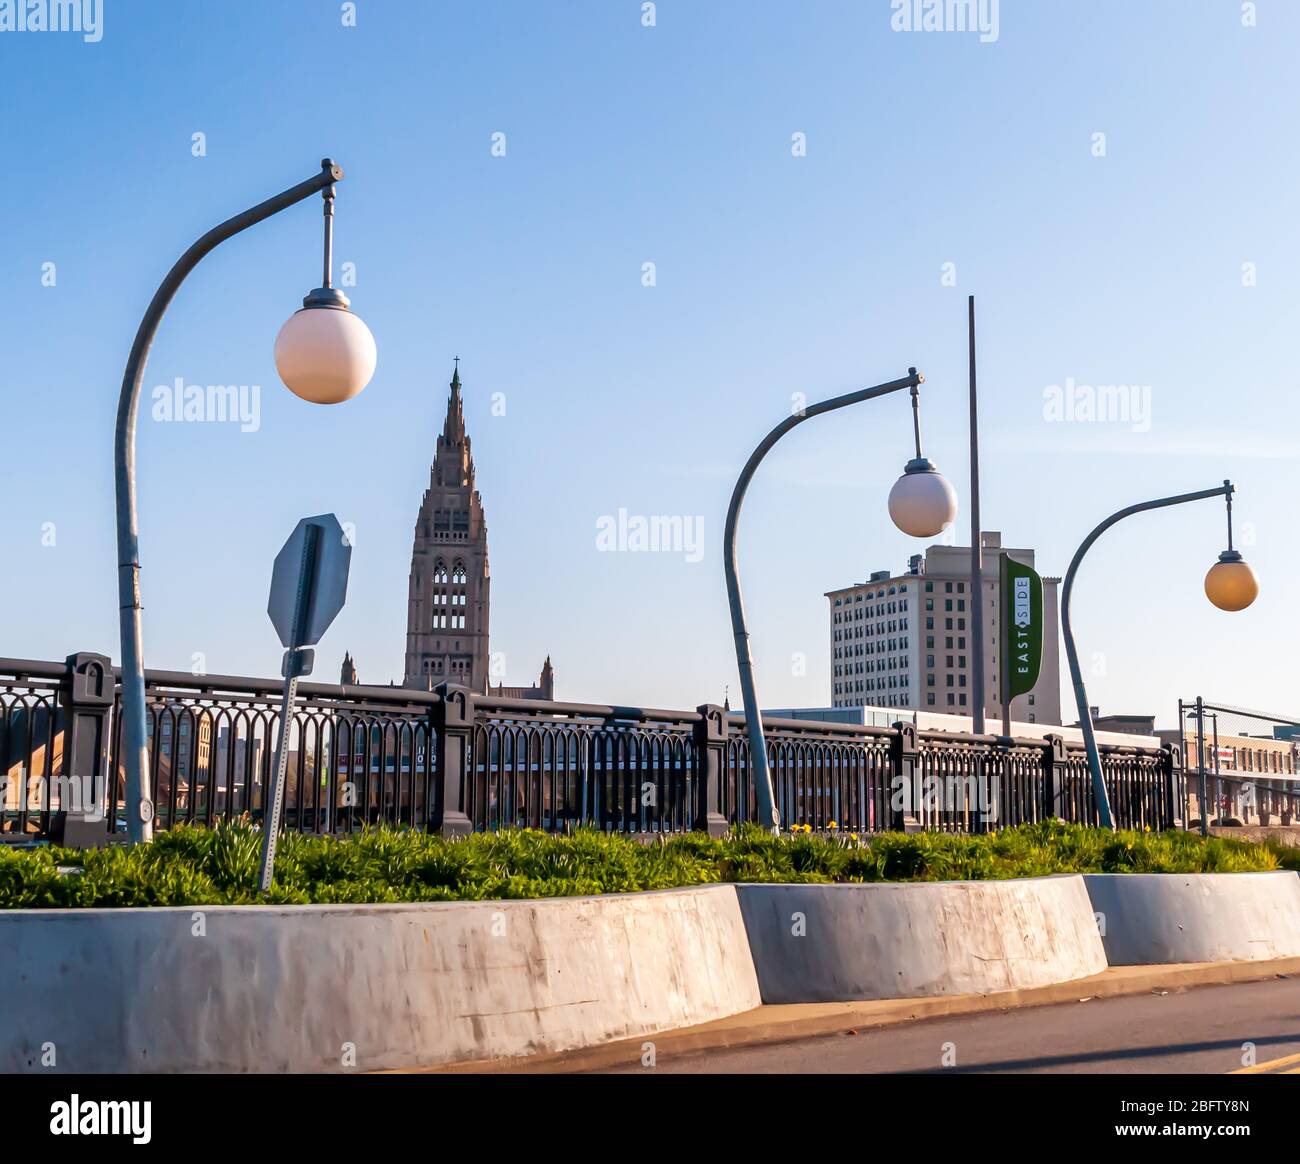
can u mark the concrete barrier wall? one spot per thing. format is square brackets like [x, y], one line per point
[265, 988]
[322, 988]
[826, 943]
[1153, 918]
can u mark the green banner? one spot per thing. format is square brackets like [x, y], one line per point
[1022, 627]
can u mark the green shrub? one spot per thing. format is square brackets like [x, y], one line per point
[219, 866]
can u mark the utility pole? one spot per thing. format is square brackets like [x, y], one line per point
[976, 542]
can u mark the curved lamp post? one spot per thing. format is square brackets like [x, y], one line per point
[921, 503]
[324, 354]
[1230, 584]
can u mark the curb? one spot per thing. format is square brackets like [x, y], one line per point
[780, 1024]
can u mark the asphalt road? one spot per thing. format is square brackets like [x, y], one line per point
[1198, 1031]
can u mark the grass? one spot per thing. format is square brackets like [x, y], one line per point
[218, 866]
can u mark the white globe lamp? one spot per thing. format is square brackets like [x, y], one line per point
[324, 353]
[922, 503]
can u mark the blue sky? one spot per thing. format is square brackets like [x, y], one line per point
[775, 274]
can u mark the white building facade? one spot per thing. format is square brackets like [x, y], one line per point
[907, 641]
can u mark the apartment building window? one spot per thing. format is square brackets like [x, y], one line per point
[961, 660]
[963, 701]
[929, 699]
[929, 587]
[952, 699]
[947, 604]
[929, 680]
[929, 604]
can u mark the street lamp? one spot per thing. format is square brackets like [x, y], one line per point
[921, 503]
[324, 354]
[1230, 584]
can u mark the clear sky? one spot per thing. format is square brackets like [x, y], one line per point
[774, 274]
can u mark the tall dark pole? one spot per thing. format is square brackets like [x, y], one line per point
[762, 776]
[976, 541]
[1218, 779]
[1072, 654]
[139, 796]
[1200, 765]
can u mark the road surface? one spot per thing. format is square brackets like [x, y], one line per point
[1200, 1031]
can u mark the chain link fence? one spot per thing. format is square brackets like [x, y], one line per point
[1241, 764]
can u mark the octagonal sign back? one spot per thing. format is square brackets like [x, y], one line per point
[325, 581]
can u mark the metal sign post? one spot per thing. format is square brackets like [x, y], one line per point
[309, 585]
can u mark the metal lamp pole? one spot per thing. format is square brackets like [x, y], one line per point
[766, 799]
[976, 543]
[1072, 654]
[139, 796]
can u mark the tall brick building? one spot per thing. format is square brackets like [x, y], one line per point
[449, 600]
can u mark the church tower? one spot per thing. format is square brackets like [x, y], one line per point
[447, 605]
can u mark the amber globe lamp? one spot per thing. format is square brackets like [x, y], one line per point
[1230, 583]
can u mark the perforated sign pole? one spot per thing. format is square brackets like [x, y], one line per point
[294, 661]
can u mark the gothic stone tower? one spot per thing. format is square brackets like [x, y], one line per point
[447, 609]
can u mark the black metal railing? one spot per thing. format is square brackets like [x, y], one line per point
[452, 761]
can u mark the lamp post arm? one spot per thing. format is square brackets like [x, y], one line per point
[133, 711]
[762, 778]
[1071, 652]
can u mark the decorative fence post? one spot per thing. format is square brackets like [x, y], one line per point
[1055, 766]
[710, 734]
[905, 789]
[1175, 791]
[83, 787]
[451, 725]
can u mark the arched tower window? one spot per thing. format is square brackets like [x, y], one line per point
[440, 596]
[458, 596]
